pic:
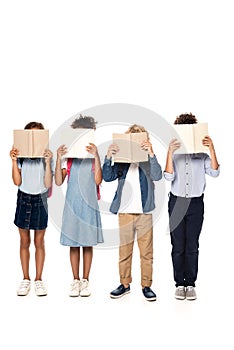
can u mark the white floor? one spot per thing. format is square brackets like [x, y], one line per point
[101, 322]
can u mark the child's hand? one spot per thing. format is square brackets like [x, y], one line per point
[48, 155]
[92, 149]
[173, 146]
[61, 151]
[208, 142]
[14, 153]
[112, 150]
[147, 146]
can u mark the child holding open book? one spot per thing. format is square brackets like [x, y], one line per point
[81, 223]
[134, 203]
[186, 207]
[33, 176]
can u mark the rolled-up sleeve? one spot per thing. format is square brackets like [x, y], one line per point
[109, 172]
[208, 169]
[155, 169]
[169, 176]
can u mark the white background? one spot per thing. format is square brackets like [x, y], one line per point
[61, 57]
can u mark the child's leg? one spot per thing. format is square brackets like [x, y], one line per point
[75, 261]
[25, 241]
[39, 252]
[126, 234]
[144, 227]
[193, 229]
[87, 261]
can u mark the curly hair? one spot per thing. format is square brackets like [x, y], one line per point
[186, 118]
[34, 125]
[84, 122]
[135, 128]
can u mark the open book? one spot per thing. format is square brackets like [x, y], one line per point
[31, 143]
[76, 141]
[130, 150]
[190, 136]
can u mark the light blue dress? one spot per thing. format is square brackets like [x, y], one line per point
[81, 223]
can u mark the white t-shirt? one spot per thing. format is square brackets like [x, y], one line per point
[131, 196]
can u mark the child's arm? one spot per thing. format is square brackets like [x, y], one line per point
[60, 174]
[155, 167]
[173, 146]
[16, 172]
[98, 170]
[207, 141]
[109, 172]
[48, 171]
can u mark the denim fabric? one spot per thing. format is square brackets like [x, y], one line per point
[148, 172]
[186, 219]
[81, 223]
[31, 211]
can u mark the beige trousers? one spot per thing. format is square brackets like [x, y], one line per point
[141, 226]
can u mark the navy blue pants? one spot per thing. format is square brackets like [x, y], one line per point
[185, 220]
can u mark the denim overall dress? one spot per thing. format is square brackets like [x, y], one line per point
[81, 223]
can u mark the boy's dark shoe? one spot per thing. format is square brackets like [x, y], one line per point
[120, 291]
[149, 294]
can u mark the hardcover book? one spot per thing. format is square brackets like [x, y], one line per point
[76, 141]
[191, 136]
[31, 143]
[130, 150]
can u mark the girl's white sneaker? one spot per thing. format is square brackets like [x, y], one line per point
[24, 288]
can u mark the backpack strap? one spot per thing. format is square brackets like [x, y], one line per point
[69, 164]
[98, 187]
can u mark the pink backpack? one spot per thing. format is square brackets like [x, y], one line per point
[69, 164]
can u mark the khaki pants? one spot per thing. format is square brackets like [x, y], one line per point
[129, 225]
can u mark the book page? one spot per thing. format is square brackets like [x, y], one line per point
[40, 142]
[76, 141]
[184, 134]
[138, 154]
[200, 131]
[22, 142]
[124, 153]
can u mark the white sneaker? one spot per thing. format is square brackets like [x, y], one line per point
[40, 288]
[74, 288]
[24, 288]
[84, 290]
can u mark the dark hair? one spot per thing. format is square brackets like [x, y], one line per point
[186, 118]
[34, 125]
[84, 122]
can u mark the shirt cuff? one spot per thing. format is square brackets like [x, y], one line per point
[168, 176]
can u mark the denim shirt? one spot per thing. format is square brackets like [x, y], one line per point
[148, 172]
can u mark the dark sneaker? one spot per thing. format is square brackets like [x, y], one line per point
[120, 291]
[149, 294]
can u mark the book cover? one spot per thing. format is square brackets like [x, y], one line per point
[76, 141]
[31, 143]
[190, 136]
[130, 150]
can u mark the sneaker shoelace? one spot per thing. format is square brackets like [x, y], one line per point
[190, 288]
[24, 284]
[39, 285]
[74, 285]
[84, 285]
